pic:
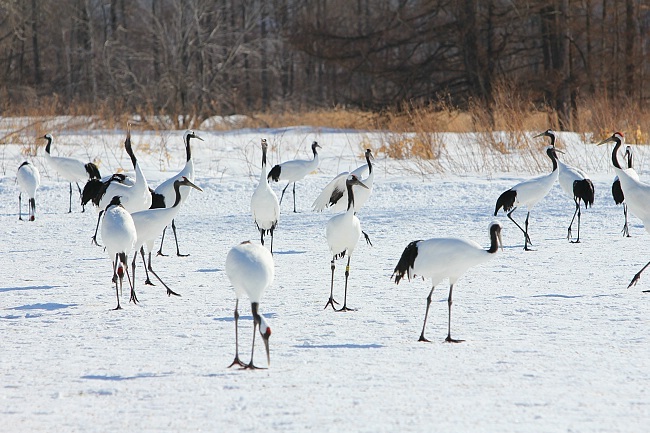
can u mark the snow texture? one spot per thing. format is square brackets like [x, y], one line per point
[554, 339]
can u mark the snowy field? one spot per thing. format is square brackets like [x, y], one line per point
[555, 342]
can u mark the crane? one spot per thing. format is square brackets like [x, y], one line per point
[28, 179]
[294, 170]
[264, 203]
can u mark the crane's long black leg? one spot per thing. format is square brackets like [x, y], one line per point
[160, 253]
[572, 219]
[449, 302]
[638, 276]
[256, 324]
[237, 361]
[83, 207]
[579, 213]
[294, 197]
[133, 297]
[345, 297]
[117, 292]
[331, 300]
[626, 229]
[271, 240]
[526, 238]
[70, 209]
[144, 265]
[169, 291]
[283, 191]
[99, 217]
[32, 207]
[20, 207]
[262, 236]
[135, 257]
[426, 315]
[178, 252]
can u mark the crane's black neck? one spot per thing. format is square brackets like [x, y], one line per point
[552, 137]
[368, 162]
[494, 241]
[630, 160]
[49, 143]
[313, 149]
[177, 190]
[188, 150]
[350, 195]
[263, 156]
[129, 150]
[553, 155]
[615, 152]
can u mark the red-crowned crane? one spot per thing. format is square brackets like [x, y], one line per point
[28, 179]
[617, 191]
[637, 193]
[250, 269]
[134, 198]
[440, 258]
[119, 235]
[528, 193]
[576, 184]
[294, 170]
[166, 189]
[343, 232]
[264, 203]
[335, 196]
[150, 223]
[70, 169]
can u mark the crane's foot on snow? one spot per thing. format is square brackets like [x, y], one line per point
[237, 362]
[171, 292]
[149, 283]
[331, 302]
[423, 339]
[250, 366]
[451, 340]
[345, 308]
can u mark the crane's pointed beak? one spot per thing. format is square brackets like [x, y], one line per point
[607, 140]
[189, 183]
[196, 136]
[539, 135]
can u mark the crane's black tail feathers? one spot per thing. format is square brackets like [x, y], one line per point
[90, 191]
[506, 201]
[274, 174]
[157, 200]
[93, 171]
[584, 190]
[405, 264]
[617, 192]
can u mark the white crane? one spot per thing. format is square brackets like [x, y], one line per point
[70, 169]
[637, 193]
[576, 184]
[343, 232]
[28, 179]
[528, 193]
[250, 269]
[166, 189]
[134, 197]
[264, 203]
[440, 258]
[617, 191]
[150, 223]
[294, 170]
[334, 195]
[119, 235]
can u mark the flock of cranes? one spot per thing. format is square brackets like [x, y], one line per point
[134, 216]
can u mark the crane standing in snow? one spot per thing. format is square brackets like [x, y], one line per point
[440, 258]
[264, 203]
[28, 179]
[343, 232]
[528, 193]
[119, 235]
[294, 170]
[250, 269]
[165, 191]
[617, 191]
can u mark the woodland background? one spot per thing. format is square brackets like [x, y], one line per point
[584, 64]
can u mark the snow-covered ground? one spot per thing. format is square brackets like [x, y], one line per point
[554, 339]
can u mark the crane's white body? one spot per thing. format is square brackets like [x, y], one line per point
[440, 258]
[531, 191]
[250, 270]
[70, 169]
[343, 232]
[337, 188]
[118, 231]
[28, 179]
[296, 169]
